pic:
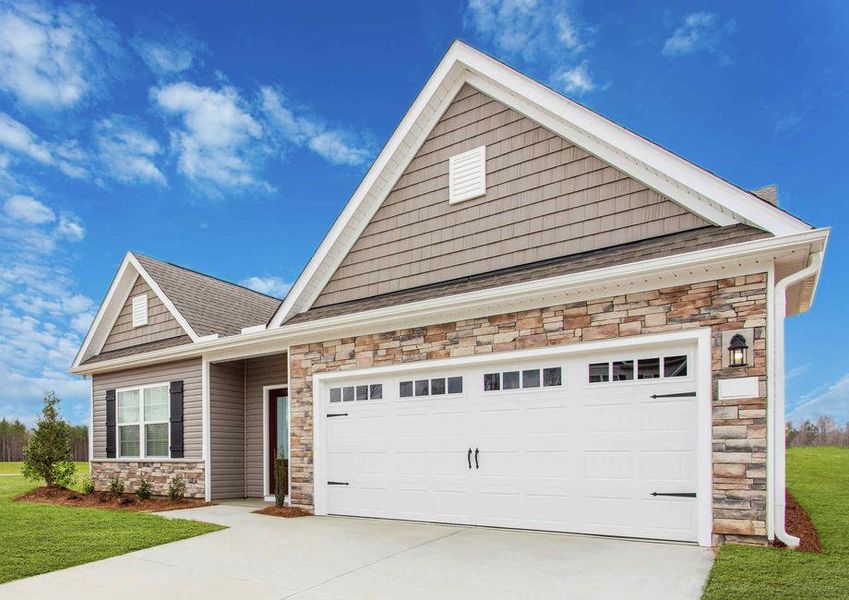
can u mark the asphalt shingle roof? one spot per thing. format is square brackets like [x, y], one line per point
[676, 243]
[208, 304]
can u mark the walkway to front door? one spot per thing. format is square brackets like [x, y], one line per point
[330, 558]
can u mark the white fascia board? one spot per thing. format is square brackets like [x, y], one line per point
[119, 289]
[758, 253]
[165, 300]
[117, 295]
[381, 171]
[629, 144]
[692, 187]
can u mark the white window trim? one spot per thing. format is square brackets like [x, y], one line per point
[268, 495]
[138, 299]
[141, 423]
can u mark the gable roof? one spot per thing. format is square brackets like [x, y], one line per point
[210, 305]
[699, 191]
[205, 307]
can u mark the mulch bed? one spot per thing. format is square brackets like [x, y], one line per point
[65, 497]
[287, 512]
[798, 523]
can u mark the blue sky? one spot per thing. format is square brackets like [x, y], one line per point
[226, 137]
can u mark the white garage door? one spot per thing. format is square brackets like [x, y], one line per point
[600, 443]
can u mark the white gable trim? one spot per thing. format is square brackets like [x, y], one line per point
[699, 191]
[117, 296]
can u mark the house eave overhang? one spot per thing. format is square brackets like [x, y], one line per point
[714, 263]
[697, 190]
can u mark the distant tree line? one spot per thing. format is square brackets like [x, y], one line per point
[14, 435]
[822, 432]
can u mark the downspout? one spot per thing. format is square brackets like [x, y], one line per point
[776, 440]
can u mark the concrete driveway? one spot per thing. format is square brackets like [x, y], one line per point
[328, 558]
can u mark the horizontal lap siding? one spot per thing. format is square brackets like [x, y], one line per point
[260, 372]
[161, 324]
[189, 371]
[227, 434]
[545, 198]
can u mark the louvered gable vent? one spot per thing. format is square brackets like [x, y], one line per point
[467, 175]
[139, 310]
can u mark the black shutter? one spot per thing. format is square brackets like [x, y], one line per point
[110, 423]
[176, 419]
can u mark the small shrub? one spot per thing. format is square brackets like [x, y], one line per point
[116, 485]
[104, 497]
[176, 488]
[88, 485]
[144, 490]
[47, 455]
[125, 500]
[280, 478]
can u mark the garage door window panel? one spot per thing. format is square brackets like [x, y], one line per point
[436, 386]
[649, 368]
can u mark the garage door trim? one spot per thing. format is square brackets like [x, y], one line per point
[700, 336]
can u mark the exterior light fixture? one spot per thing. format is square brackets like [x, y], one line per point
[737, 351]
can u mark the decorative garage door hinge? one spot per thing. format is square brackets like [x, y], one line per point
[336, 415]
[678, 395]
[337, 483]
[675, 494]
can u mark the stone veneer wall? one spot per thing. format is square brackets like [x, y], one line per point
[157, 473]
[739, 426]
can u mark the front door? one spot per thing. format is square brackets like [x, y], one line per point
[278, 435]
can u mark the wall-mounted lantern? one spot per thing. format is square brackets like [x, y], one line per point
[737, 351]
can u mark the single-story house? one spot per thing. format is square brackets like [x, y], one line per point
[526, 316]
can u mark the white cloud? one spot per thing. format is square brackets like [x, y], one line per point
[54, 56]
[164, 58]
[576, 80]
[548, 35]
[217, 143]
[299, 128]
[169, 53]
[42, 315]
[29, 226]
[70, 228]
[127, 152]
[28, 210]
[529, 29]
[832, 401]
[68, 157]
[271, 285]
[700, 31]
[17, 137]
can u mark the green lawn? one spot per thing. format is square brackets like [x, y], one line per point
[37, 538]
[14, 468]
[819, 479]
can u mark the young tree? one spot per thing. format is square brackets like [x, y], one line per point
[47, 455]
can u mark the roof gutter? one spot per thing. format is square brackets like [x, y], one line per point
[481, 298]
[777, 442]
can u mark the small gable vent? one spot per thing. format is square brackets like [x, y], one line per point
[139, 310]
[467, 175]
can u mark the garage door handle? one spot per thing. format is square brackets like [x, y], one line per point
[469, 458]
[477, 466]
[678, 395]
[675, 494]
